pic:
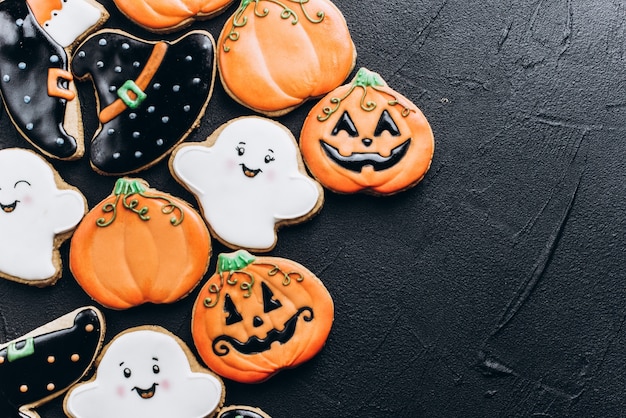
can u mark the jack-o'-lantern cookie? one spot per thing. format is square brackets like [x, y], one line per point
[163, 16]
[259, 315]
[38, 212]
[37, 87]
[146, 372]
[249, 179]
[139, 245]
[275, 55]
[44, 363]
[150, 95]
[366, 137]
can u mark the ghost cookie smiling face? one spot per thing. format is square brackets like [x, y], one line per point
[249, 179]
[38, 211]
[147, 371]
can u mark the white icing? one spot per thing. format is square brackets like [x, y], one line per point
[241, 210]
[178, 392]
[41, 211]
[74, 19]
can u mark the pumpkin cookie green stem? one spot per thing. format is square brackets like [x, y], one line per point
[234, 261]
[127, 188]
[364, 79]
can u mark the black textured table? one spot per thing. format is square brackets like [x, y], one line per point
[493, 288]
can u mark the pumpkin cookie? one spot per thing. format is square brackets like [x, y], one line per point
[249, 179]
[139, 245]
[150, 95]
[275, 55]
[259, 315]
[36, 37]
[147, 372]
[38, 212]
[164, 16]
[44, 363]
[366, 137]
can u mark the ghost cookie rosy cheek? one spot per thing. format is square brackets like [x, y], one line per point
[250, 180]
[147, 372]
[151, 95]
[38, 212]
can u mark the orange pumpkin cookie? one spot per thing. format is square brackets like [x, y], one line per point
[258, 315]
[139, 245]
[274, 55]
[366, 137]
[163, 16]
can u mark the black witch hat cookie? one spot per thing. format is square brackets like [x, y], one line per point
[150, 95]
[35, 82]
[44, 363]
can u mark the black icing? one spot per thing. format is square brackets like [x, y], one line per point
[239, 412]
[26, 54]
[356, 161]
[36, 371]
[254, 344]
[176, 95]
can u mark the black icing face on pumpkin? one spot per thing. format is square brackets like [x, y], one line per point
[365, 148]
[255, 344]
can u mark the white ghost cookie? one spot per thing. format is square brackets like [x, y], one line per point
[249, 179]
[146, 372]
[38, 211]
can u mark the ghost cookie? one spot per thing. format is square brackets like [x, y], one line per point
[44, 363]
[35, 82]
[241, 411]
[38, 211]
[146, 372]
[366, 137]
[163, 16]
[139, 245]
[249, 179]
[257, 316]
[275, 55]
[150, 95]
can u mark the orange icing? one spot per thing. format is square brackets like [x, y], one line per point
[275, 65]
[42, 9]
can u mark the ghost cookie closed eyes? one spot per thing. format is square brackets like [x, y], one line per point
[38, 211]
[249, 179]
[146, 372]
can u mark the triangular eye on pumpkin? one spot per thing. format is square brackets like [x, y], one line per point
[389, 146]
[231, 310]
[251, 346]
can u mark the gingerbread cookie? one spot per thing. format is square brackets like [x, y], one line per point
[366, 137]
[258, 315]
[139, 245]
[240, 411]
[44, 363]
[37, 88]
[249, 179]
[146, 372]
[150, 95]
[38, 211]
[275, 55]
[163, 16]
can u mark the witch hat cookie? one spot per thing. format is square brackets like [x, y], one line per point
[150, 95]
[44, 363]
[35, 81]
